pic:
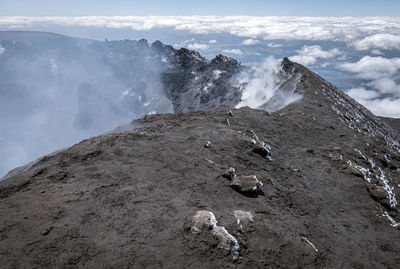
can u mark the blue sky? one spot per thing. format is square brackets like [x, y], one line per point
[204, 7]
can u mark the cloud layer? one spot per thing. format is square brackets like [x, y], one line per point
[347, 29]
[378, 41]
[373, 67]
[389, 107]
[309, 54]
[233, 51]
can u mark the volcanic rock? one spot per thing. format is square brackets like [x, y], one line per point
[124, 199]
[206, 221]
[246, 184]
[230, 173]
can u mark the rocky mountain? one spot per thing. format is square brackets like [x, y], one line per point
[89, 87]
[311, 185]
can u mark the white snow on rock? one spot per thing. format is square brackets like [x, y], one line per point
[208, 86]
[217, 74]
[264, 145]
[355, 116]
[389, 189]
[393, 223]
[205, 220]
[311, 244]
[365, 172]
[258, 185]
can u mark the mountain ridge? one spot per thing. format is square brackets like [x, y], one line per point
[164, 195]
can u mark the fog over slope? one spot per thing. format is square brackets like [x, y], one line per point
[56, 90]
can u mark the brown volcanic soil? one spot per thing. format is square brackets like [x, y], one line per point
[125, 200]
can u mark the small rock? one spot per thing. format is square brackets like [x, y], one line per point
[243, 216]
[244, 219]
[230, 113]
[230, 173]
[203, 220]
[379, 194]
[209, 161]
[207, 144]
[354, 172]
[47, 230]
[246, 184]
[263, 151]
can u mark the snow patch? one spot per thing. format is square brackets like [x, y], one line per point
[365, 172]
[389, 189]
[208, 86]
[393, 223]
[264, 145]
[217, 74]
[311, 244]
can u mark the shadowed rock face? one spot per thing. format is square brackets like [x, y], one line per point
[128, 199]
[198, 84]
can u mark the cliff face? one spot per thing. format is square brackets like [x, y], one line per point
[196, 84]
[314, 185]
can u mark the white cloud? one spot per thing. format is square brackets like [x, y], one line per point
[1, 49]
[386, 86]
[197, 46]
[362, 94]
[249, 42]
[376, 52]
[373, 67]
[309, 54]
[388, 107]
[274, 45]
[233, 51]
[212, 41]
[378, 41]
[348, 29]
[304, 59]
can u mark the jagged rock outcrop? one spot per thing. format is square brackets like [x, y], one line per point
[194, 83]
[128, 199]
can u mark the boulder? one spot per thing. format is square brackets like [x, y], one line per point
[246, 184]
[262, 150]
[205, 222]
[244, 220]
[230, 173]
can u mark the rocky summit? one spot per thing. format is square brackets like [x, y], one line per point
[312, 185]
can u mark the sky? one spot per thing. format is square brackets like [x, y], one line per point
[204, 7]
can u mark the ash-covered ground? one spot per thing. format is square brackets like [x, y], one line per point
[314, 185]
